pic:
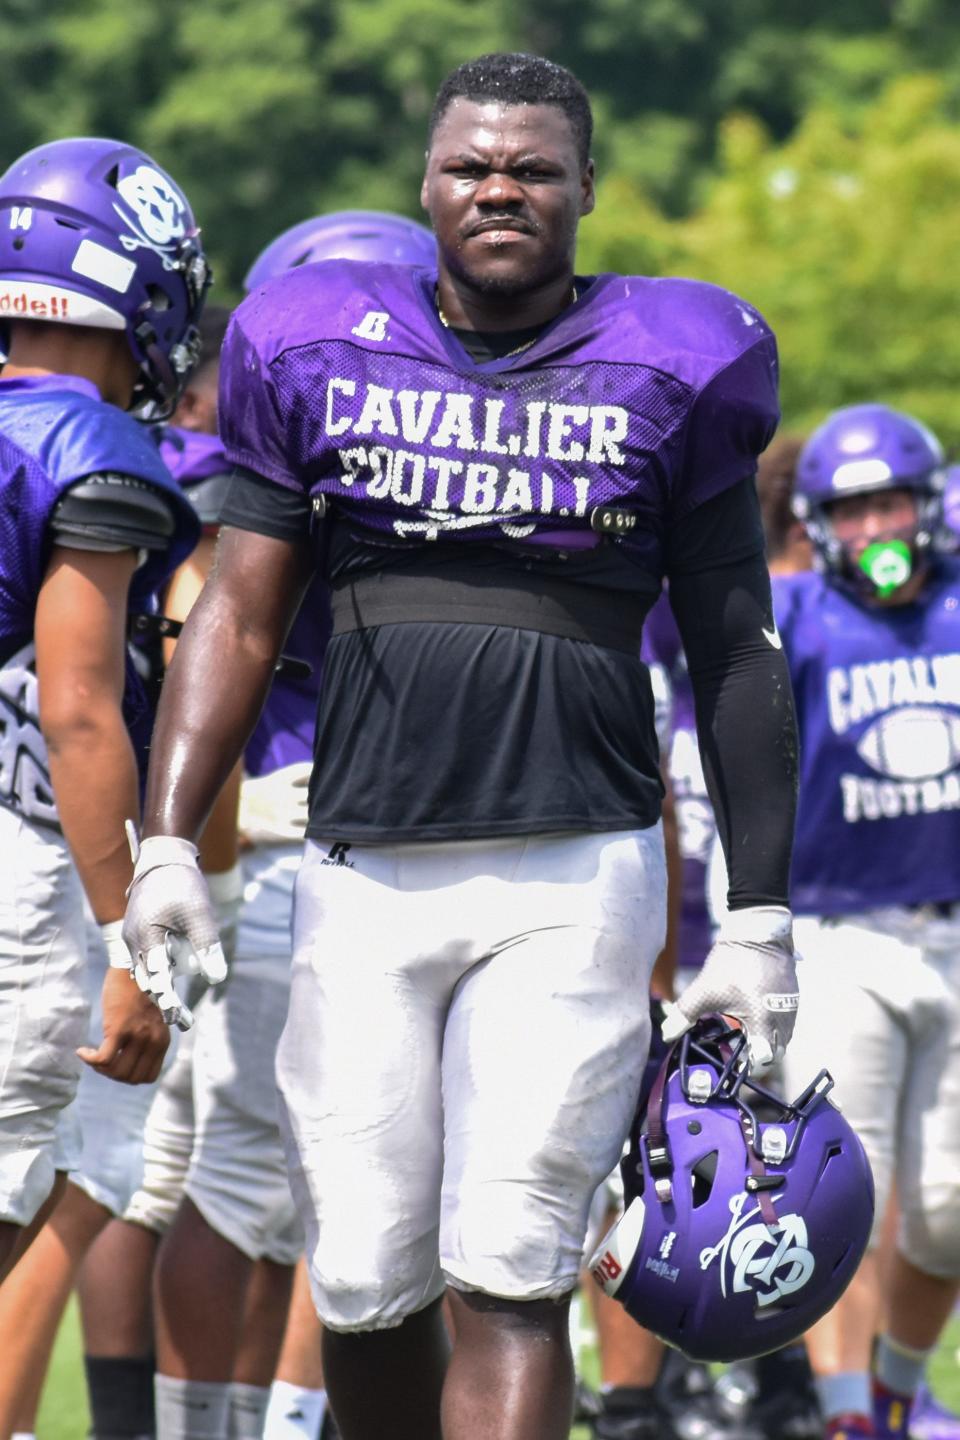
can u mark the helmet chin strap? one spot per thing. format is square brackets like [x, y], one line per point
[887, 564]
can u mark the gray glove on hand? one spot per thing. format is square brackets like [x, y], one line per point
[750, 974]
[170, 926]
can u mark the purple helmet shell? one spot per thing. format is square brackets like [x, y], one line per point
[951, 503]
[93, 232]
[345, 235]
[745, 1217]
[867, 447]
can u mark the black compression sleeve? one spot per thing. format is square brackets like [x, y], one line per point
[745, 721]
[252, 503]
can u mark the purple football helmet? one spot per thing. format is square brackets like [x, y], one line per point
[93, 232]
[745, 1216]
[860, 449]
[345, 235]
[951, 506]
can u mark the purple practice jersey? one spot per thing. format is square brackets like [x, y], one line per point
[284, 733]
[878, 706]
[652, 395]
[54, 432]
[493, 531]
[695, 820]
[197, 462]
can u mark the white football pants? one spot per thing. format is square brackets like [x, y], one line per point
[462, 1058]
[880, 1008]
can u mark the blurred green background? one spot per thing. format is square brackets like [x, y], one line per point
[804, 153]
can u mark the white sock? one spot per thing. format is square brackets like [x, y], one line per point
[23, 1435]
[293, 1412]
[191, 1409]
[899, 1367]
[248, 1406]
[846, 1394]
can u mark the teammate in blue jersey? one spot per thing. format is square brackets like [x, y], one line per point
[494, 463]
[96, 244]
[873, 643]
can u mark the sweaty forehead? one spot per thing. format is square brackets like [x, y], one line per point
[489, 127]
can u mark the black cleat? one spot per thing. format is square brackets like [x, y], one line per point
[629, 1414]
[328, 1430]
[774, 1395]
[587, 1404]
[686, 1392]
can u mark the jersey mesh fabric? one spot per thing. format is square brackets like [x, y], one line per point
[409, 496]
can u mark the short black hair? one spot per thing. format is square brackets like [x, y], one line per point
[776, 475]
[214, 320]
[518, 79]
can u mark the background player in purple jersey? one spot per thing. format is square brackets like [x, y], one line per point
[495, 464]
[95, 244]
[873, 642]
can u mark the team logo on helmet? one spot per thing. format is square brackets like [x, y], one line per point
[772, 1261]
[158, 215]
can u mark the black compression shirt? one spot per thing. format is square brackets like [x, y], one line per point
[484, 345]
[461, 728]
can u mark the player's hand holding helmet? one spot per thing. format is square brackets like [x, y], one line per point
[170, 927]
[746, 1217]
[750, 974]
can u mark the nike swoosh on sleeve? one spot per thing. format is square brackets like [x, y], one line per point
[773, 637]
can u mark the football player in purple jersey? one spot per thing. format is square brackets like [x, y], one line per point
[102, 279]
[494, 463]
[873, 642]
[110, 1118]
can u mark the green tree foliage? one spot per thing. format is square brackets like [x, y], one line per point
[804, 152]
[845, 237]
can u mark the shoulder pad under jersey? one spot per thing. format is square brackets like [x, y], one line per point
[108, 511]
[686, 328]
[329, 300]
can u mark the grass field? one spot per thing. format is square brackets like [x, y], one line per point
[63, 1414]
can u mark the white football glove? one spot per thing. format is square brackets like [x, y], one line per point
[750, 974]
[170, 925]
[274, 808]
[226, 895]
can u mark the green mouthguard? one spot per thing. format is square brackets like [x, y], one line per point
[888, 564]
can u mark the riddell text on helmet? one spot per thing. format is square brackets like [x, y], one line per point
[54, 307]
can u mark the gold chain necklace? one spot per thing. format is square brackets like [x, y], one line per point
[574, 297]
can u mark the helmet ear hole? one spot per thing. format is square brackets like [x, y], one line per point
[159, 298]
[832, 1152]
[702, 1177]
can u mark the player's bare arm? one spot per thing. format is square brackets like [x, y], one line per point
[80, 631]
